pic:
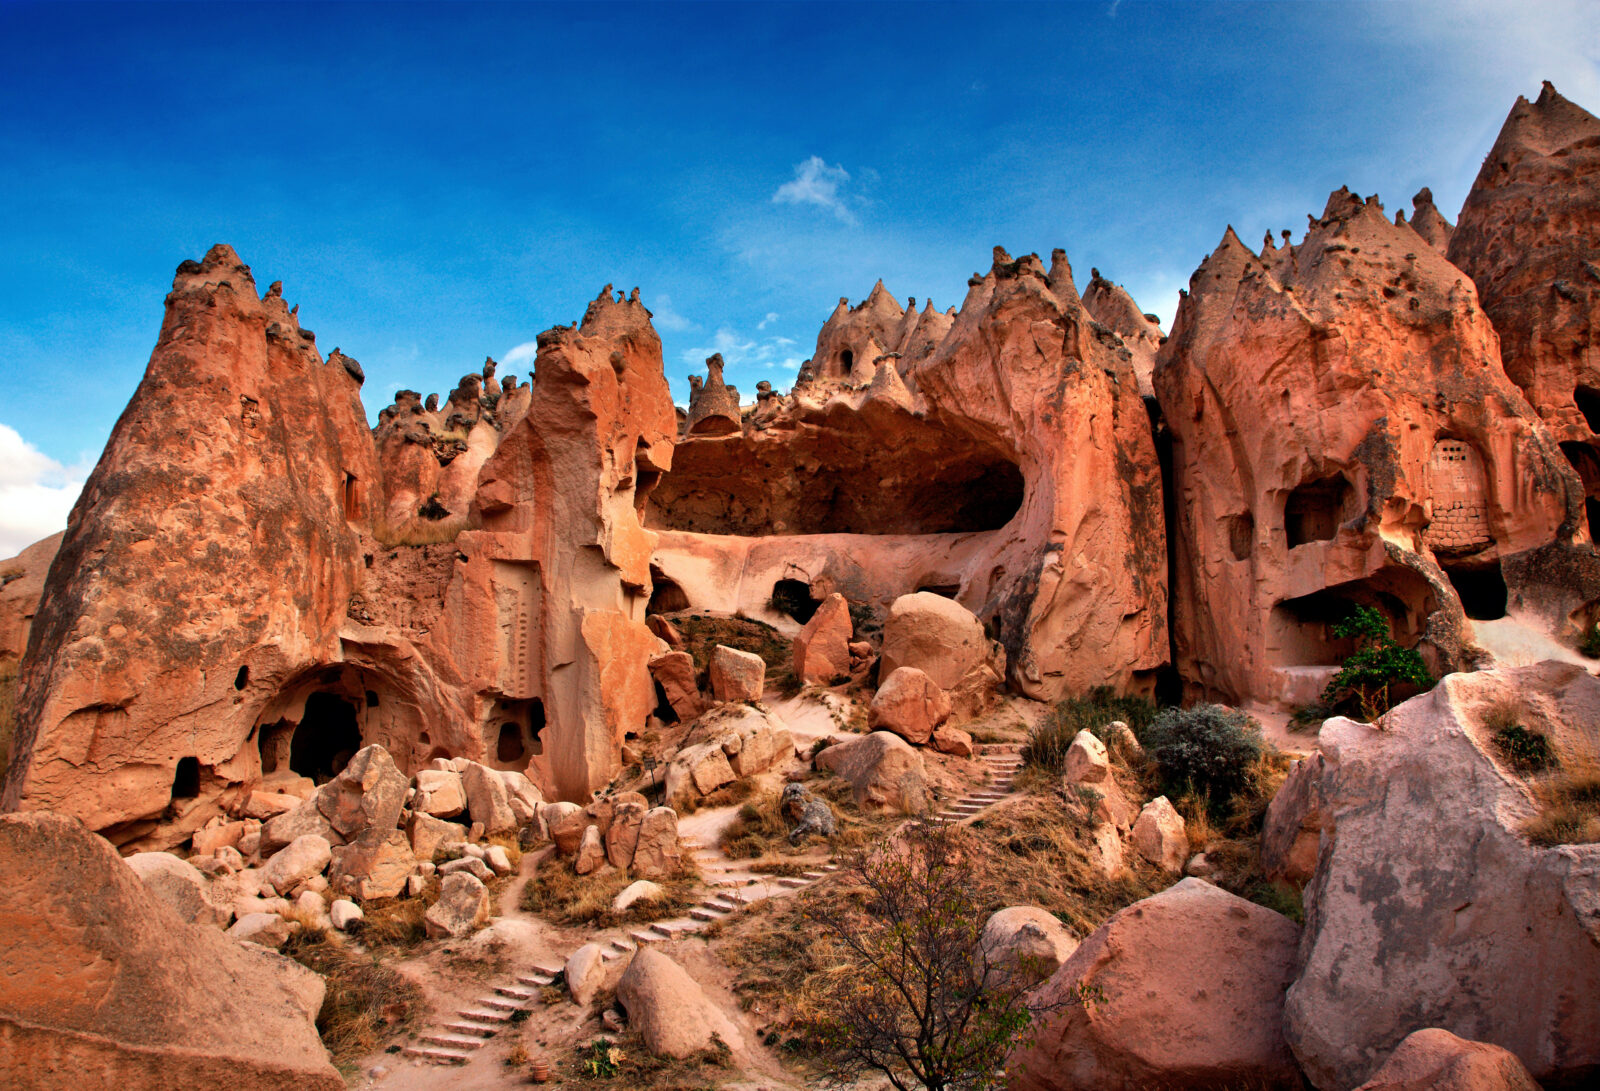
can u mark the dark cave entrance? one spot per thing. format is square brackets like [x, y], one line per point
[327, 737]
[1302, 628]
[186, 779]
[1481, 589]
[1588, 400]
[1586, 461]
[518, 738]
[667, 595]
[1314, 510]
[793, 598]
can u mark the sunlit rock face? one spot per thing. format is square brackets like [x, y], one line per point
[235, 602]
[1342, 431]
[1001, 456]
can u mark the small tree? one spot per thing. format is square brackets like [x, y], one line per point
[1380, 662]
[923, 1003]
[1207, 748]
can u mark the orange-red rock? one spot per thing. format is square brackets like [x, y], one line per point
[1341, 432]
[21, 583]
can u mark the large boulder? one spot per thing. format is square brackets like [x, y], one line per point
[523, 795]
[366, 795]
[736, 675]
[439, 793]
[1430, 908]
[428, 833]
[1187, 991]
[119, 988]
[1160, 836]
[374, 865]
[669, 1009]
[462, 906]
[296, 862]
[674, 673]
[938, 636]
[752, 740]
[306, 820]
[657, 853]
[622, 839]
[698, 770]
[488, 799]
[585, 972]
[182, 886]
[1087, 762]
[1436, 1060]
[910, 704]
[1025, 944]
[822, 649]
[1291, 833]
[883, 771]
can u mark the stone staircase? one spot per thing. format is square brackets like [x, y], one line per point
[731, 887]
[1004, 761]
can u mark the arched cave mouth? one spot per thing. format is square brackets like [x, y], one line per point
[1315, 509]
[514, 735]
[1588, 400]
[793, 598]
[843, 472]
[1481, 589]
[1586, 460]
[326, 738]
[1302, 628]
[667, 596]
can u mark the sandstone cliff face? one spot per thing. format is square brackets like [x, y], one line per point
[245, 594]
[1110, 305]
[1010, 467]
[1529, 237]
[21, 583]
[211, 551]
[1342, 432]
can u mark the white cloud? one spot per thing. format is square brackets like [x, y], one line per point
[665, 318]
[772, 316]
[520, 355]
[742, 354]
[36, 492]
[816, 183]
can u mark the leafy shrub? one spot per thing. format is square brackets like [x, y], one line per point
[1047, 747]
[1590, 644]
[1527, 751]
[1379, 666]
[1206, 749]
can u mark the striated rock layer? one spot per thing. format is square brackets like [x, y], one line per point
[1342, 432]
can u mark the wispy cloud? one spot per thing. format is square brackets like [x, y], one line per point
[36, 492]
[665, 318]
[520, 355]
[772, 316]
[816, 183]
[741, 352]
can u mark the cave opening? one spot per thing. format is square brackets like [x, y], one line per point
[847, 361]
[509, 748]
[793, 598]
[1586, 461]
[1302, 628]
[186, 779]
[943, 590]
[667, 596]
[1588, 399]
[326, 738]
[1481, 589]
[1314, 510]
[242, 679]
[1241, 535]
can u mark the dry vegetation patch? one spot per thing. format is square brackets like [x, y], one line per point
[760, 831]
[1558, 768]
[366, 1001]
[623, 1061]
[703, 632]
[560, 895]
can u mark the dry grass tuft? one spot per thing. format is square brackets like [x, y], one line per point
[365, 1001]
[396, 924]
[625, 1062]
[561, 896]
[1569, 807]
[417, 531]
[761, 831]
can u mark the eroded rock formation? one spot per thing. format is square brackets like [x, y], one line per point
[1342, 432]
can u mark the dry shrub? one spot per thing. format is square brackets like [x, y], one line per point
[726, 796]
[396, 924]
[1047, 746]
[1569, 807]
[8, 711]
[417, 531]
[365, 1001]
[561, 896]
[761, 831]
[625, 1062]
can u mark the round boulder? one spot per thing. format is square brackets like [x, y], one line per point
[938, 636]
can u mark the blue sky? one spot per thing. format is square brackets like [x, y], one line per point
[437, 183]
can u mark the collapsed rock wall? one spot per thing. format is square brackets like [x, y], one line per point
[1341, 429]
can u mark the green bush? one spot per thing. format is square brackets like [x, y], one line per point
[1380, 665]
[1047, 747]
[1590, 644]
[1526, 751]
[1206, 749]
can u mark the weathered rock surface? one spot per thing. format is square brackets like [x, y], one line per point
[1436, 1060]
[1024, 943]
[936, 635]
[674, 673]
[368, 794]
[439, 793]
[374, 865]
[883, 771]
[1190, 987]
[1419, 912]
[585, 972]
[1159, 835]
[1291, 833]
[120, 986]
[736, 675]
[822, 648]
[669, 1009]
[1342, 433]
[462, 906]
[910, 704]
[296, 862]
[1086, 762]
[181, 886]
[657, 854]
[1110, 305]
[21, 583]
